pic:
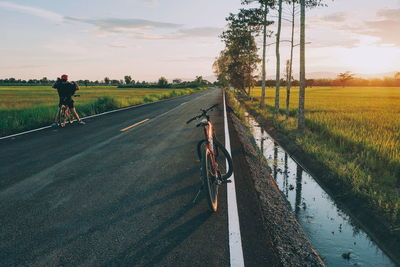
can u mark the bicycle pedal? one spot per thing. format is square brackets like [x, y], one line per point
[226, 181]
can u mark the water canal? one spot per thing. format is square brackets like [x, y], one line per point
[338, 239]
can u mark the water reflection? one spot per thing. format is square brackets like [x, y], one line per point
[299, 174]
[286, 176]
[275, 160]
[339, 240]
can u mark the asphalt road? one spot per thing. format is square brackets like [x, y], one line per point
[94, 195]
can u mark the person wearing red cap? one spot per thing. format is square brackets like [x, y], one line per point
[65, 91]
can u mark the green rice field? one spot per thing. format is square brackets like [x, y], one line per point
[27, 107]
[355, 131]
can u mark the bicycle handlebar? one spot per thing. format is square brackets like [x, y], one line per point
[203, 113]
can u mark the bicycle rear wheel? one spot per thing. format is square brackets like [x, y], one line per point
[223, 159]
[209, 179]
[62, 118]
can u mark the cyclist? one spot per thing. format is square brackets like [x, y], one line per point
[65, 91]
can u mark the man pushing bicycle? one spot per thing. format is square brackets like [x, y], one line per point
[65, 91]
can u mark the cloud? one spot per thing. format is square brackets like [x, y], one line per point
[148, 2]
[115, 25]
[200, 32]
[188, 59]
[180, 34]
[385, 27]
[188, 33]
[335, 17]
[138, 28]
[38, 12]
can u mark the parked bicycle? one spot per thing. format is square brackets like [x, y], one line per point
[216, 163]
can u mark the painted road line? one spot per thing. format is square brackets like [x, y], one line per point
[96, 115]
[133, 125]
[30, 131]
[235, 239]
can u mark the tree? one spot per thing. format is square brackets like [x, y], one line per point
[199, 80]
[44, 80]
[220, 68]
[288, 85]
[128, 79]
[237, 63]
[345, 77]
[162, 82]
[262, 19]
[107, 80]
[397, 76]
[289, 70]
[177, 81]
[278, 57]
[302, 92]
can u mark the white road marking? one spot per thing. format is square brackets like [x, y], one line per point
[235, 240]
[31, 131]
[93, 116]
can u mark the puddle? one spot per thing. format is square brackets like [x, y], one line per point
[331, 231]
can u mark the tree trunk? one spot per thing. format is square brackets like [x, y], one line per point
[278, 59]
[287, 88]
[301, 122]
[262, 103]
[289, 81]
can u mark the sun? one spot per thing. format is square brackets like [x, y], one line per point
[372, 59]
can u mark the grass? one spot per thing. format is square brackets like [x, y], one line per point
[355, 132]
[23, 108]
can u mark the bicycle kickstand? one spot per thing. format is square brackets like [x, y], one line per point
[198, 194]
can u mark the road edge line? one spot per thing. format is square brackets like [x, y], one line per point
[235, 239]
[100, 114]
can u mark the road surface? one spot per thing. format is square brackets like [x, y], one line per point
[96, 195]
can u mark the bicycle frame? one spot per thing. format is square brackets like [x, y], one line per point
[208, 134]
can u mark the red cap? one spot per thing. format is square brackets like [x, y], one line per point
[64, 77]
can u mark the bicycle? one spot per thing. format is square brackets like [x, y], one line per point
[216, 163]
[64, 114]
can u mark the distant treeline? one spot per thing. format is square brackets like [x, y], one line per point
[199, 82]
[128, 82]
[385, 82]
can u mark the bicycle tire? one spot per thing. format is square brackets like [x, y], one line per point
[62, 117]
[209, 180]
[220, 159]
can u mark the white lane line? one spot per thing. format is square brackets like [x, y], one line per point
[235, 239]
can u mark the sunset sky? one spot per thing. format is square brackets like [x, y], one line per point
[147, 39]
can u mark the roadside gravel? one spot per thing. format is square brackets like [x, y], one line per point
[289, 242]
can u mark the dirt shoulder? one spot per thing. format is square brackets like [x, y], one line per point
[287, 242]
[376, 226]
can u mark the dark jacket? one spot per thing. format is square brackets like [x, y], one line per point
[65, 88]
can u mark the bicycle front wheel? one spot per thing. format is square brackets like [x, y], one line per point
[222, 157]
[209, 179]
